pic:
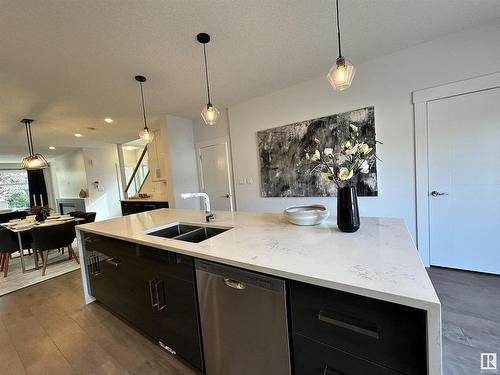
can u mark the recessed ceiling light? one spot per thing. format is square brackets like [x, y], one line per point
[129, 148]
[52, 148]
[78, 135]
[108, 120]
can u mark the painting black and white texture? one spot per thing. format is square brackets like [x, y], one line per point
[283, 169]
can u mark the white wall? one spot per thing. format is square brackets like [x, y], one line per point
[102, 165]
[386, 83]
[79, 169]
[202, 132]
[180, 161]
[156, 186]
[68, 174]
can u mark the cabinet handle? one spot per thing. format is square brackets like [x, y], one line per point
[152, 295]
[94, 266]
[349, 323]
[160, 305]
[327, 371]
[113, 261]
[234, 284]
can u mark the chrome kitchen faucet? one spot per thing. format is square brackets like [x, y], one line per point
[209, 215]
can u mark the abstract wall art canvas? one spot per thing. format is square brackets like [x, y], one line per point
[283, 169]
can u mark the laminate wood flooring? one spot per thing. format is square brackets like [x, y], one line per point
[470, 304]
[47, 329]
[58, 265]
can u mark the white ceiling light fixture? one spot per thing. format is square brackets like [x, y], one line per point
[32, 161]
[78, 135]
[342, 72]
[210, 114]
[52, 148]
[108, 120]
[144, 134]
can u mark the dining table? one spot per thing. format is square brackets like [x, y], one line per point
[25, 225]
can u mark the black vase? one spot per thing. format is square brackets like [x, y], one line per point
[40, 216]
[347, 209]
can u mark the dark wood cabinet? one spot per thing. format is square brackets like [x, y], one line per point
[333, 332]
[313, 358]
[134, 207]
[391, 335]
[153, 289]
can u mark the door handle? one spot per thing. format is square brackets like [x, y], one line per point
[351, 324]
[152, 295]
[94, 266]
[226, 196]
[234, 284]
[436, 193]
[114, 262]
[160, 297]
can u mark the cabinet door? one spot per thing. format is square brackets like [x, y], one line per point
[170, 312]
[153, 289]
[110, 284]
[313, 358]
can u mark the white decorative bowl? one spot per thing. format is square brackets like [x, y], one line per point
[306, 215]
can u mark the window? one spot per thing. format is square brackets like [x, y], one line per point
[14, 190]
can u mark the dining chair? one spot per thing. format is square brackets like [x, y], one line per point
[8, 245]
[50, 237]
[89, 217]
[5, 217]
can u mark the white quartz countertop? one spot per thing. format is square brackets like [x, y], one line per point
[379, 260]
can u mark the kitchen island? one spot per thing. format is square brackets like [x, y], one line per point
[383, 314]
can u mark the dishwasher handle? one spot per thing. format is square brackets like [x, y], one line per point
[235, 284]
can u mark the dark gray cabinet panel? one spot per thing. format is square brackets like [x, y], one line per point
[313, 358]
[152, 289]
[134, 207]
[389, 334]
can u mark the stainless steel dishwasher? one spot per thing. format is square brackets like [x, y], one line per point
[243, 321]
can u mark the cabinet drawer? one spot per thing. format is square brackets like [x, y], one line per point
[109, 246]
[168, 263]
[313, 358]
[389, 334]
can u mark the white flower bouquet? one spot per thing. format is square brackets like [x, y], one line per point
[342, 164]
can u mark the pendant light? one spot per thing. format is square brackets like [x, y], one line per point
[342, 72]
[144, 134]
[32, 161]
[210, 114]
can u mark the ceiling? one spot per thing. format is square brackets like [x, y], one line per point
[70, 64]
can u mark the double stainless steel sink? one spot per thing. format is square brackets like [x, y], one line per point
[187, 232]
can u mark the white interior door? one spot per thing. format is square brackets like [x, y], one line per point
[215, 175]
[464, 181]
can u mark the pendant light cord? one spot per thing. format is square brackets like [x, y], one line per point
[143, 107]
[206, 73]
[29, 138]
[338, 27]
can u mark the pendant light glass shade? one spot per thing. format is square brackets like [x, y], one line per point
[144, 134]
[341, 74]
[210, 114]
[32, 161]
